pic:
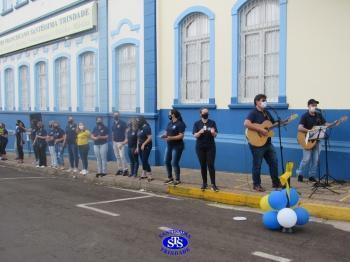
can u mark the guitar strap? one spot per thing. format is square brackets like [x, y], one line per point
[266, 115]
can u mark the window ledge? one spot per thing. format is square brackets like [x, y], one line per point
[194, 106]
[250, 106]
[5, 12]
[20, 4]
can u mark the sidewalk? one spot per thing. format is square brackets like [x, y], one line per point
[235, 189]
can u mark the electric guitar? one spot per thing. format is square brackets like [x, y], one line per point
[256, 139]
[311, 143]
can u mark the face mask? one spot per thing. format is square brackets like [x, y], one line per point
[55, 127]
[116, 118]
[81, 127]
[312, 109]
[170, 117]
[70, 121]
[263, 104]
[205, 116]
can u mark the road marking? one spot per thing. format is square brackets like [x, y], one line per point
[98, 210]
[19, 178]
[145, 193]
[344, 198]
[271, 257]
[165, 228]
[87, 205]
[242, 185]
[245, 209]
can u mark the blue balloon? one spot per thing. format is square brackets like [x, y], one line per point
[302, 216]
[278, 200]
[294, 196]
[270, 220]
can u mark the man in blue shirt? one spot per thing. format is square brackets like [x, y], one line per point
[119, 141]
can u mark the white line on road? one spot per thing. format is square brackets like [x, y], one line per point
[144, 193]
[99, 210]
[165, 228]
[271, 257]
[19, 178]
[115, 200]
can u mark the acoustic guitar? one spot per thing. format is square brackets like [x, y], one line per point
[256, 139]
[311, 143]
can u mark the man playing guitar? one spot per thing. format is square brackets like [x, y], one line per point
[308, 120]
[257, 116]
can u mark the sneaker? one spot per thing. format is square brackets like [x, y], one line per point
[37, 166]
[62, 168]
[98, 174]
[103, 174]
[125, 172]
[204, 187]
[177, 182]
[214, 188]
[259, 188]
[69, 170]
[169, 181]
[300, 178]
[75, 170]
[149, 179]
[119, 173]
[277, 185]
[312, 179]
[81, 172]
[42, 166]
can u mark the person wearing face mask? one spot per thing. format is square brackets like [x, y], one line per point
[118, 134]
[51, 144]
[41, 144]
[100, 137]
[83, 136]
[257, 116]
[71, 142]
[144, 147]
[174, 136]
[3, 141]
[131, 140]
[20, 132]
[205, 131]
[58, 140]
[310, 157]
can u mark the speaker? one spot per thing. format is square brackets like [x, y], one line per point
[34, 119]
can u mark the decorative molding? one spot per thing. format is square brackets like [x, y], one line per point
[125, 21]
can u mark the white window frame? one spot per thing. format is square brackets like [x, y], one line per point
[84, 85]
[59, 83]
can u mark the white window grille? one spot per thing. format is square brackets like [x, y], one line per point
[195, 65]
[88, 81]
[24, 90]
[259, 50]
[127, 77]
[41, 78]
[62, 83]
[9, 89]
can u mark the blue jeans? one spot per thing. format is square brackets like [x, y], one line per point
[59, 153]
[84, 152]
[73, 155]
[172, 158]
[144, 156]
[101, 157]
[268, 153]
[310, 160]
[134, 161]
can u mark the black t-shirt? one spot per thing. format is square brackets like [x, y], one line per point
[33, 134]
[58, 133]
[174, 129]
[258, 117]
[51, 135]
[3, 133]
[309, 121]
[41, 141]
[206, 139]
[71, 133]
[102, 131]
[119, 129]
[143, 133]
[132, 138]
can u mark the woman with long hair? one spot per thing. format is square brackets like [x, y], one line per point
[144, 142]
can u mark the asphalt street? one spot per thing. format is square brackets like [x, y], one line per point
[57, 218]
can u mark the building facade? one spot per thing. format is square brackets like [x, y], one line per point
[89, 58]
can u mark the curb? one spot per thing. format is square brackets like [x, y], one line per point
[245, 199]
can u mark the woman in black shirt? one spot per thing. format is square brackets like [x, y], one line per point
[174, 136]
[144, 142]
[205, 131]
[131, 140]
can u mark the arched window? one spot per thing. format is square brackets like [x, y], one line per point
[127, 77]
[195, 59]
[259, 31]
[62, 83]
[23, 88]
[41, 86]
[9, 88]
[88, 81]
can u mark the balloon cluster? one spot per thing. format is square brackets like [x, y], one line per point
[282, 210]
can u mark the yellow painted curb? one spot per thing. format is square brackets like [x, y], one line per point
[250, 200]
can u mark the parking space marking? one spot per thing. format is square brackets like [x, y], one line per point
[98, 210]
[165, 228]
[270, 257]
[145, 193]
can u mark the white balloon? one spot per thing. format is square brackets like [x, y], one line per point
[287, 217]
